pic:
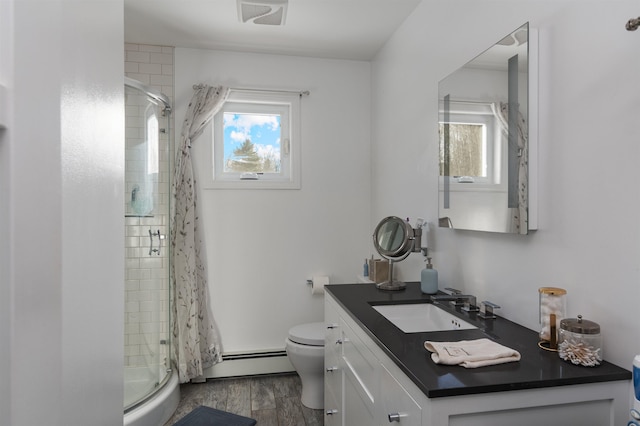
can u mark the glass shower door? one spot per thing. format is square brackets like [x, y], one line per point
[147, 332]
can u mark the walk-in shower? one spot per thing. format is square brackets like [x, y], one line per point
[151, 390]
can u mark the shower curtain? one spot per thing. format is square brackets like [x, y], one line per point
[520, 214]
[196, 342]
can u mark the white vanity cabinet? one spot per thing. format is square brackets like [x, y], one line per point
[396, 403]
[350, 377]
[364, 386]
[333, 376]
[359, 390]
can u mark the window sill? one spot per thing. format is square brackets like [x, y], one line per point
[251, 184]
[474, 187]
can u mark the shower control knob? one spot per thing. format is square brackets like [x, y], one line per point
[331, 412]
[332, 326]
[331, 369]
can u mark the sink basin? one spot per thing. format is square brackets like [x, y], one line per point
[421, 317]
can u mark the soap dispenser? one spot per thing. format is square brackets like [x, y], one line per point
[429, 279]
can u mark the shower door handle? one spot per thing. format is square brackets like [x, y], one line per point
[160, 238]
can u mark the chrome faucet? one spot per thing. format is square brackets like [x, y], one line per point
[456, 298]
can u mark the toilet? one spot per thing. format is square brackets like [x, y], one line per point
[305, 349]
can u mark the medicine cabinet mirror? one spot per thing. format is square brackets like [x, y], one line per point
[487, 130]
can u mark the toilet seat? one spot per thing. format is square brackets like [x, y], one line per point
[311, 334]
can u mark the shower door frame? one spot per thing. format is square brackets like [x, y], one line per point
[155, 244]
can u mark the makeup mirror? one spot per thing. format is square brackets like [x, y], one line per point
[395, 239]
[487, 130]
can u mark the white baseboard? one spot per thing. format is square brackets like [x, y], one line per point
[250, 366]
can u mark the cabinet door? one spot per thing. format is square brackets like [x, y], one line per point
[332, 410]
[333, 373]
[357, 406]
[333, 330]
[333, 377]
[360, 362]
[397, 405]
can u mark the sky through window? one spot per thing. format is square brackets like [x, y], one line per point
[263, 130]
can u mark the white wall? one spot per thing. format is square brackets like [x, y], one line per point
[64, 187]
[6, 80]
[263, 244]
[589, 229]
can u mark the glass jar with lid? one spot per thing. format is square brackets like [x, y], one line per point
[553, 306]
[580, 342]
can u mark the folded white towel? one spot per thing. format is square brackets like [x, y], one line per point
[471, 353]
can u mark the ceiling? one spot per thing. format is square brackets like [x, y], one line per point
[340, 29]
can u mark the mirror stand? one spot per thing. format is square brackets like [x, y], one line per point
[395, 239]
[392, 284]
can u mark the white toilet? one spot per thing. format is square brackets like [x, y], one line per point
[305, 349]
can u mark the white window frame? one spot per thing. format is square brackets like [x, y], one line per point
[480, 113]
[287, 104]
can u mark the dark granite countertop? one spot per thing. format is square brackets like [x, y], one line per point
[537, 368]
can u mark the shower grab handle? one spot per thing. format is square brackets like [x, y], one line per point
[160, 238]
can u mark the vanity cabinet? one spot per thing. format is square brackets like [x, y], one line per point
[365, 386]
[359, 389]
[396, 402]
[333, 377]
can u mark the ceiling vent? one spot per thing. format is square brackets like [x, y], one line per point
[263, 12]
[516, 38]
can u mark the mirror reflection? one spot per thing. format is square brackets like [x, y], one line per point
[484, 140]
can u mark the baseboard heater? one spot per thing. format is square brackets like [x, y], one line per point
[253, 355]
[251, 363]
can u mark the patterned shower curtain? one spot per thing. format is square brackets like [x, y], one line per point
[519, 215]
[196, 342]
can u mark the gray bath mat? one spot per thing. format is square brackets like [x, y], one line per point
[207, 416]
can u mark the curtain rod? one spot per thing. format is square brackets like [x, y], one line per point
[243, 89]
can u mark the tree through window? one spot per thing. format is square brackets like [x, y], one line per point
[256, 141]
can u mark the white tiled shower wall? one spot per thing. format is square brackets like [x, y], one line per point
[147, 284]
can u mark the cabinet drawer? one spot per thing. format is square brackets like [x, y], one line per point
[360, 364]
[332, 408]
[397, 405]
[333, 376]
[333, 331]
[358, 406]
[333, 341]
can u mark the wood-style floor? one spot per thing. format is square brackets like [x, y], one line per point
[273, 400]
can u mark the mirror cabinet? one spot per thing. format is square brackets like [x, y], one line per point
[487, 132]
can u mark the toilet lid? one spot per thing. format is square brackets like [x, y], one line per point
[308, 334]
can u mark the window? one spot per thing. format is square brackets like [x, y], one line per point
[152, 138]
[474, 145]
[467, 150]
[256, 141]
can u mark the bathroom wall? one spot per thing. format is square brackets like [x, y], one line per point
[589, 233]
[146, 275]
[64, 151]
[151, 65]
[6, 79]
[262, 245]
